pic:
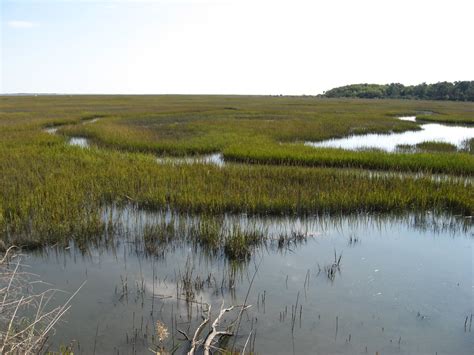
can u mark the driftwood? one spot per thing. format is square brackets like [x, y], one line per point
[195, 341]
[214, 334]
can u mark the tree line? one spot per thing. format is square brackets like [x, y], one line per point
[457, 91]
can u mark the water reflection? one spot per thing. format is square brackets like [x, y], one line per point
[214, 159]
[455, 135]
[405, 286]
[79, 142]
[51, 130]
[408, 118]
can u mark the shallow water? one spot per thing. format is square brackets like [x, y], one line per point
[440, 178]
[388, 142]
[51, 130]
[75, 141]
[407, 118]
[79, 141]
[92, 120]
[404, 286]
[214, 159]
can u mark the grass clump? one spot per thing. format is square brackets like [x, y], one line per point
[428, 146]
[239, 244]
[207, 232]
[433, 146]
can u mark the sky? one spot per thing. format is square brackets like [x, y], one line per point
[266, 47]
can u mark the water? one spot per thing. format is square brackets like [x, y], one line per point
[408, 118]
[75, 141]
[79, 141]
[51, 130]
[404, 286]
[214, 159]
[92, 120]
[388, 142]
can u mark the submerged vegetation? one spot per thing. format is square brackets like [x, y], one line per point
[52, 192]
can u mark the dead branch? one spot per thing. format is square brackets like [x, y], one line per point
[208, 341]
[195, 342]
[214, 332]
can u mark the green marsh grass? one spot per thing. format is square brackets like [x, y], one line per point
[435, 146]
[446, 117]
[432, 146]
[51, 192]
[300, 155]
[55, 193]
[272, 131]
[208, 232]
[239, 244]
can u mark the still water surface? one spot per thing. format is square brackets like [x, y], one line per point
[405, 286]
[214, 159]
[429, 132]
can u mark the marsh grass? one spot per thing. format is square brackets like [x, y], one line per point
[239, 244]
[207, 232]
[468, 146]
[52, 193]
[435, 147]
[300, 155]
[432, 146]
[446, 117]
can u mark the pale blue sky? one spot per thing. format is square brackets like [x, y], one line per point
[230, 47]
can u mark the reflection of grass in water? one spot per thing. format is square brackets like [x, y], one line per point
[428, 146]
[285, 241]
[210, 234]
[468, 146]
[156, 237]
[405, 148]
[439, 147]
[433, 146]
